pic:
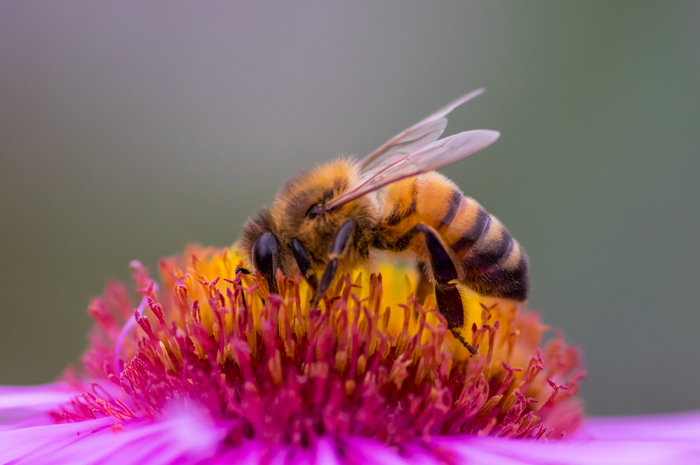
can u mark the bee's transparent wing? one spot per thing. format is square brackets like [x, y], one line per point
[414, 138]
[429, 158]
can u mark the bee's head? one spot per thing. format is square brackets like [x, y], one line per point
[300, 207]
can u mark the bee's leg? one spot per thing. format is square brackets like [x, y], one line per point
[266, 258]
[445, 274]
[340, 243]
[301, 255]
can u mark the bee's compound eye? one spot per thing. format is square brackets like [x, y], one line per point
[314, 211]
[264, 251]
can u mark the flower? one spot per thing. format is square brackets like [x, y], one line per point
[210, 368]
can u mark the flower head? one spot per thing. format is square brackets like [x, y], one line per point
[209, 366]
[370, 361]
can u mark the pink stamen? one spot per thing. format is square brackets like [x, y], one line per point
[287, 373]
[125, 330]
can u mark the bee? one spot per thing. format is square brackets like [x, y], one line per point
[334, 218]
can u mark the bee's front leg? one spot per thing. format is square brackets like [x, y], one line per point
[448, 298]
[301, 255]
[266, 259]
[340, 243]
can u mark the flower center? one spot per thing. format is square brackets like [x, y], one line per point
[369, 361]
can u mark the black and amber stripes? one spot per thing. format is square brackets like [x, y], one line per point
[493, 262]
[397, 215]
[490, 261]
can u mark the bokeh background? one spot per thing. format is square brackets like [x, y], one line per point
[129, 129]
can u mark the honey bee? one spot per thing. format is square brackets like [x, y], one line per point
[331, 220]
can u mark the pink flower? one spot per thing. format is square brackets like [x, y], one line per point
[212, 369]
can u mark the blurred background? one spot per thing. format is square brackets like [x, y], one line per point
[129, 129]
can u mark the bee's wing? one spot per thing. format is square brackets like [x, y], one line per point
[414, 138]
[429, 158]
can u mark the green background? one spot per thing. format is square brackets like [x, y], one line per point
[129, 129]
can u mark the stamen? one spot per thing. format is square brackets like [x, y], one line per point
[125, 330]
[369, 361]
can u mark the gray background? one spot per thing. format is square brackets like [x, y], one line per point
[128, 129]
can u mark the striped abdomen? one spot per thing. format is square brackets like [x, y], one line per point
[490, 261]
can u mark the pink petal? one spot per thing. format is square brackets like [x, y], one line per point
[22, 406]
[674, 427]
[248, 453]
[367, 451]
[25, 443]
[644, 440]
[186, 435]
[326, 452]
[34, 397]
